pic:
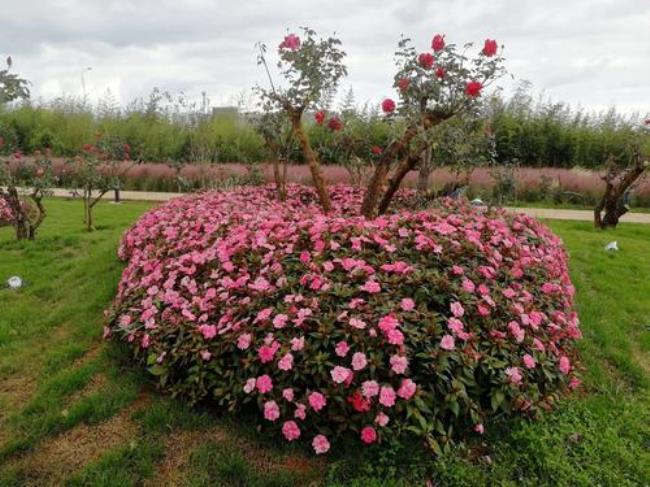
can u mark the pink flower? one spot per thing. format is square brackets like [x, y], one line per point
[300, 412]
[398, 364]
[357, 323]
[514, 375]
[447, 342]
[297, 344]
[320, 444]
[271, 411]
[342, 348]
[468, 286]
[290, 430]
[339, 375]
[280, 321]
[479, 428]
[208, 331]
[565, 365]
[264, 314]
[317, 401]
[291, 42]
[438, 42]
[387, 396]
[264, 384]
[287, 394]
[146, 341]
[457, 309]
[205, 355]
[395, 337]
[359, 361]
[368, 435]
[286, 362]
[244, 341]
[529, 361]
[403, 84]
[382, 419]
[516, 331]
[406, 389]
[388, 106]
[249, 386]
[455, 325]
[407, 304]
[371, 287]
[267, 352]
[370, 388]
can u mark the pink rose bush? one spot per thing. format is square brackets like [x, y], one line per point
[426, 322]
[6, 215]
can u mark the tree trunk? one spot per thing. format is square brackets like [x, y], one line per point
[406, 165]
[425, 171]
[382, 168]
[613, 203]
[312, 161]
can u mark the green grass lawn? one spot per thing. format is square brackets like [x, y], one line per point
[73, 412]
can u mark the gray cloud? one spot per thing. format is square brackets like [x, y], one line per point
[592, 53]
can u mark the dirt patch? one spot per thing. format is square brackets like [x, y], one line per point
[58, 457]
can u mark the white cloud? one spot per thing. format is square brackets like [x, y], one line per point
[593, 53]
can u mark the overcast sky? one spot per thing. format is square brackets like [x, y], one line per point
[593, 53]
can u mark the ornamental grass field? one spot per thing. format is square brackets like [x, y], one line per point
[75, 411]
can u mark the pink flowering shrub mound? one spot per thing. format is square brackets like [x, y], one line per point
[6, 214]
[421, 323]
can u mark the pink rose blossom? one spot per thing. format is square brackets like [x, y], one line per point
[320, 444]
[447, 342]
[280, 321]
[287, 394]
[297, 344]
[357, 323]
[457, 309]
[339, 374]
[479, 428]
[382, 419]
[359, 361]
[271, 411]
[370, 388]
[406, 389]
[529, 361]
[387, 396]
[371, 287]
[514, 375]
[249, 386]
[208, 331]
[244, 341]
[317, 401]
[368, 435]
[264, 384]
[286, 362]
[398, 364]
[290, 430]
[342, 348]
[300, 412]
[565, 365]
[206, 355]
[407, 304]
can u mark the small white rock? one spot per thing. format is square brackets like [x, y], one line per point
[612, 245]
[477, 202]
[14, 282]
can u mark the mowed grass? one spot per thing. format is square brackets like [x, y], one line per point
[74, 412]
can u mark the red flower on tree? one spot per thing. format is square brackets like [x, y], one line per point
[438, 42]
[359, 403]
[440, 72]
[376, 150]
[319, 117]
[403, 84]
[490, 47]
[388, 105]
[473, 88]
[291, 42]
[334, 124]
[426, 60]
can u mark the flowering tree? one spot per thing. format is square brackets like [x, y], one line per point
[96, 171]
[433, 87]
[23, 185]
[311, 67]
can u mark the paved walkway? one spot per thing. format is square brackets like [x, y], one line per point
[548, 213]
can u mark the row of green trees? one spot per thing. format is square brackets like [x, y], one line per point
[529, 131]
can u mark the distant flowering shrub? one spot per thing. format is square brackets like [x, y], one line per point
[6, 215]
[424, 323]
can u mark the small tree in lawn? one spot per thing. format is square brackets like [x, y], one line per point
[23, 185]
[96, 172]
[433, 87]
[620, 180]
[12, 86]
[312, 67]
